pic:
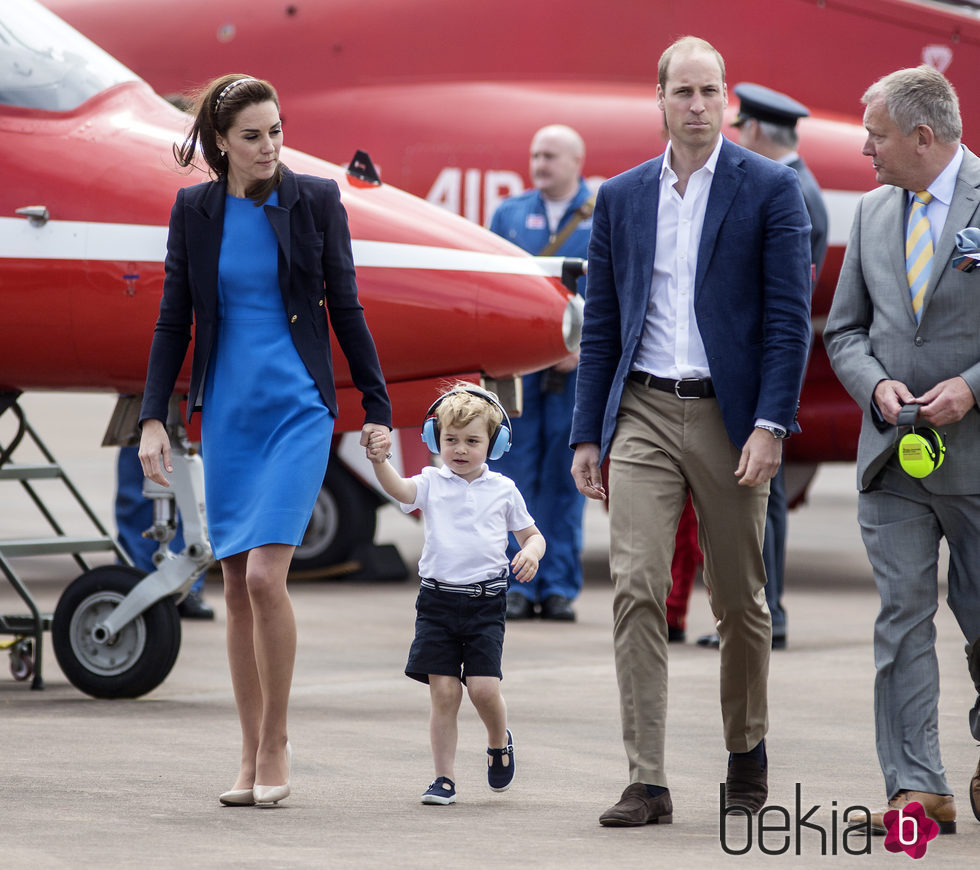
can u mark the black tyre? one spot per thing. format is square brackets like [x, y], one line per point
[137, 660]
[344, 518]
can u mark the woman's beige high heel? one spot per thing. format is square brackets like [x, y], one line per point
[237, 797]
[267, 795]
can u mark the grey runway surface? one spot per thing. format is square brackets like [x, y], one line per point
[89, 783]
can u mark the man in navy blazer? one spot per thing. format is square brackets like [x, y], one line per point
[693, 350]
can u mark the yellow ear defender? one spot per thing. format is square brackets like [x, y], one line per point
[921, 451]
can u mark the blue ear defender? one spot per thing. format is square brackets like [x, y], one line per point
[500, 439]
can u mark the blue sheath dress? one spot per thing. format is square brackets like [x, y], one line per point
[265, 431]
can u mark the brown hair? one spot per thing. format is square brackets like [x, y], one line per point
[215, 108]
[686, 45]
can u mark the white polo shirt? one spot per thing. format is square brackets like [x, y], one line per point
[466, 524]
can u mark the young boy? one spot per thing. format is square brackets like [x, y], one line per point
[459, 628]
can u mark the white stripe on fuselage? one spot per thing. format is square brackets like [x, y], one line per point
[83, 240]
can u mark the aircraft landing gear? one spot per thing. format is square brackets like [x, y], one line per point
[127, 664]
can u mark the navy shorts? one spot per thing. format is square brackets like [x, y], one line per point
[457, 635]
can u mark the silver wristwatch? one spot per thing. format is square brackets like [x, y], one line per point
[777, 433]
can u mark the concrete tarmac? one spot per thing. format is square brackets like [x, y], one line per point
[88, 783]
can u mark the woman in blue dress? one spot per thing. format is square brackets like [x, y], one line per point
[257, 259]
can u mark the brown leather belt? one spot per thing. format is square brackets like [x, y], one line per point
[685, 388]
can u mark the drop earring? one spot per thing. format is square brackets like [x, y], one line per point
[222, 153]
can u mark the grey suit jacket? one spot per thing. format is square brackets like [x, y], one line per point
[872, 335]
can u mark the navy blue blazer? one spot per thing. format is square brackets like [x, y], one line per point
[751, 293]
[315, 265]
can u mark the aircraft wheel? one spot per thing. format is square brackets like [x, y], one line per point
[344, 518]
[132, 663]
[22, 659]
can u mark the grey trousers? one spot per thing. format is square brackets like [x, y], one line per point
[664, 446]
[902, 524]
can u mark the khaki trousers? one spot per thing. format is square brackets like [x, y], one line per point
[663, 447]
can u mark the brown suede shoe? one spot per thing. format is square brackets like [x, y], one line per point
[975, 792]
[637, 808]
[747, 784]
[938, 807]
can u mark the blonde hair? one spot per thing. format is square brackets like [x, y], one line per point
[463, 402]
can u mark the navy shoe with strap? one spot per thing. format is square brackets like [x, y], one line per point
[499, 775]
[441, 790]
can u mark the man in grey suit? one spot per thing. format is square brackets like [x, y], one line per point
[904, 330]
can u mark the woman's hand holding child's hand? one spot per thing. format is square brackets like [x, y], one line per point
[377, 447]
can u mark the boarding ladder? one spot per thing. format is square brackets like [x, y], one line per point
[25, 649]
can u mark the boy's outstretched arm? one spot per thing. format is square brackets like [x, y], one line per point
[525, 563]
[399, 488]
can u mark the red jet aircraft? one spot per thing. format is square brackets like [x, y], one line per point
[89, 182]
[446, 95]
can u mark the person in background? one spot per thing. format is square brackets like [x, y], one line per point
[552, 219]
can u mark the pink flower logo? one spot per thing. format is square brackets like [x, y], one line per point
[909, 830]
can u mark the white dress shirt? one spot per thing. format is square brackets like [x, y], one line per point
[942, 190]
[671, 345]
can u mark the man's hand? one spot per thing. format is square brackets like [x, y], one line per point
[947, 402]
[760, 458]
[889, 396]
[586, 473]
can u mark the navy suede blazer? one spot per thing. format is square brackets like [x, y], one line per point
[751, 293]
[315, 266]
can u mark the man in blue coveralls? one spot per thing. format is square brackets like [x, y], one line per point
[553, 219]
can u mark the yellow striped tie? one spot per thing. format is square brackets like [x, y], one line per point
[918, 250]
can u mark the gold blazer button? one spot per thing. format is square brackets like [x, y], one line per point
[293, 319]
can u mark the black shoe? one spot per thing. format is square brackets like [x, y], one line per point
[519, 606]
[557, 607]
[195, 607]
[637, 808]
[779, 641]
[747, 784]
[676, 635]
